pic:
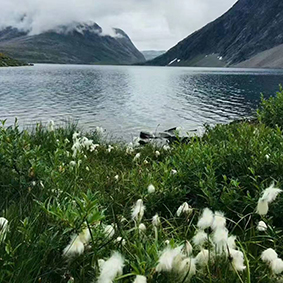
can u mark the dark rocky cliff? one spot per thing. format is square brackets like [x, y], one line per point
[248, 28]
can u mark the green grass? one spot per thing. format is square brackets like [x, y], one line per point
[46, 200]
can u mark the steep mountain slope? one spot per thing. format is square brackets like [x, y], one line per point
[77, 44]
[248, 28]
[151, 54]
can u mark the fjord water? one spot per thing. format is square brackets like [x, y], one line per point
[127, 99]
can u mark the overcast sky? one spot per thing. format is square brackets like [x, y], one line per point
[151, 24]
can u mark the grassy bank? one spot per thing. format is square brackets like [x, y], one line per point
[6, 61]
[75, 205]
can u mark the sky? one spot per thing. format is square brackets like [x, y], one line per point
[151, 24]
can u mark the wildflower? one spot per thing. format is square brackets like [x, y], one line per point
[262, 207]
[73, 163]
[76, 135]
[219, 220]
[231, 242]
[116, 177]
[75, 247]
[157, 153]
[267, 156]
[200, 238]
[110, 147]
[184, 208]
[206, 219]
[137, 156]
[93, 147]
[140, 279]
[202, 257]
[276, 265]
[50, 126]
[3, 228]
[66, 140]
[220, 238]
[109, 231]
[138, 210]
[166, 147]
[145, 162]
[165, 262]
[188, 248]
[33, 183]
[142, 227]
[261, 226]
[121, 240]
[167, 242]
[173, 171]
[155, 220]
[187, 267]
[85, 236]
[129, 148]
[111, 268]
[269, 255]
[87, 168]
[100, 264]
[270, 193]
[151, 189]
[237, 260]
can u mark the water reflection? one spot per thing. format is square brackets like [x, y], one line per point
[126, 100]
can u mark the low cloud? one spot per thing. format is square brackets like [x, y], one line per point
[151, 24]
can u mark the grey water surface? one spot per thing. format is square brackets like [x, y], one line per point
[127, 99]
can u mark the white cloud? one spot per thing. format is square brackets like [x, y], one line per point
[151, 24]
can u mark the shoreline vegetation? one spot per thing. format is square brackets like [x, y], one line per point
[77, 209]
[6, 61]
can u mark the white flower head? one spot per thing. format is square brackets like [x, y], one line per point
[166, 147]
[140, 279]
[219, 220]
[50, 126]
[120, 240]
[187, 267]
[206, 219]
[271, 193]
[157, 153]
[268, 255]
[231, 242]
[200, 238]
[173, 171]
[202, 257]
[116, 177]
[276, 265]
[237, 260]
[261, 226]
[109, 231]
[142, 227]
[166, 259]
[156, 220]
[151, 189]
[262, 207]
[220, 238]
[184, 209]
[85, 236]
[137, 156]
[3, 228]
[111, 268]
[75, 247]
[138, 210]
[188, 248]
[73, 163]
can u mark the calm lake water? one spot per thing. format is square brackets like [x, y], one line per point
[127, 99]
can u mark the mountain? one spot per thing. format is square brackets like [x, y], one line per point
[250, 34]
[151, 54]
[77, 43]
[6, 61]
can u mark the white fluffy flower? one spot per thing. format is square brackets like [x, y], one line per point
[120, 240]
[237, 260]
[75, 247]
[85, 236]
[166, 147]
[231, 242]
[262, 207]
[165, 262]
[157, 153]
[187, 267]
[116, 177]
[270, 193]
[202, 257]
[151, 189]
[276, 265]
[138, 210]
[140, 279]
[73, 163]
[206, 219]
[261, 226]
[3, 228]
[269, 255]
[188, 248]
[111, 268]
[184, 208]
[155, 220]
[173, 171]
[219, 220]
[137, 156]
[50, 126]
[200, 238]
[142, 227]
[109, 231]
[220, 238]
